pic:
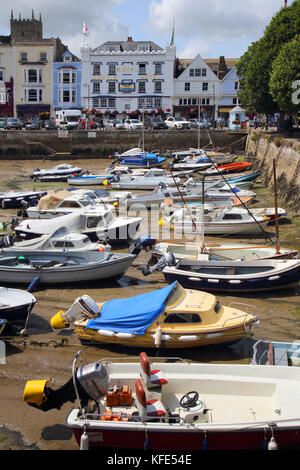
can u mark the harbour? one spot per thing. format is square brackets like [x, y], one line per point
[49, 353]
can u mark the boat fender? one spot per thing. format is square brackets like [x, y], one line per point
[34, 284]
[205, 443]
[106, 333]
[158, 336]
[84, 440]
[3, 204]
[272, 444]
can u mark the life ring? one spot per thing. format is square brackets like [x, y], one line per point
[145, 364]
[140, 393]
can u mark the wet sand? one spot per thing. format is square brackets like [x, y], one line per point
[45, 353]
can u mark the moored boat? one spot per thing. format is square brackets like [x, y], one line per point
[15, 305]
[167, 318]
[166, 405]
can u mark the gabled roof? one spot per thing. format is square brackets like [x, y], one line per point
[197, 62]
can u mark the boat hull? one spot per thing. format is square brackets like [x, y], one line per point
[191, 280]
[187, 440]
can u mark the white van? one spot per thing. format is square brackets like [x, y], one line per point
[67, 118]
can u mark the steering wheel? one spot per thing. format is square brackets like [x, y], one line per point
[189, 399]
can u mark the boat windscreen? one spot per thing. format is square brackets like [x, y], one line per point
[176, 295]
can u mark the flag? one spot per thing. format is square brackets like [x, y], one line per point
[84, 29]
[285, 3]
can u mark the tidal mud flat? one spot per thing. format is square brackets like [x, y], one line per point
[45, 353]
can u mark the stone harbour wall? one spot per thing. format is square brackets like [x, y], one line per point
[262, 149]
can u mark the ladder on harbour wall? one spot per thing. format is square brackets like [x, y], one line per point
[52, 153]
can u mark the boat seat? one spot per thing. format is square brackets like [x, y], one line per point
[147, 409]
[151, 378]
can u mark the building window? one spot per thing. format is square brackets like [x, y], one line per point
[204, 72]
[73, 96]
[67, 58]
[197, 72]
[96, 87]
[23, 57]
[194, 101]
[40, 75]
[143, 47]
[142, 69]
[157, 86]
[32, 76]
[208, 101]
[157, 102]
[95, 102]
[142, 87]
[111, 87]
[192, 72]
[235, 101]
[236, 86]
[111, 69]
[66, 77]
[66, 96]
[158, 70]
[103, 103]
[73, 77]
[96, 69]
[204, 86]
[180, 101]
[43, 57]
[40, 95]
[141, 103]
[111, 102]
[1, 76]
[149, 103]
[187, 86]
[32, 96]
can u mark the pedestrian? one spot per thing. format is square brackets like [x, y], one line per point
[101, 124]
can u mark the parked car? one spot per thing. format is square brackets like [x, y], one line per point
[34, 125]
[13, 123]
[49, 124]
[118, 124]
[202, 123]
[154, 122]
[133, 124]
[2, 123]
[177, 123]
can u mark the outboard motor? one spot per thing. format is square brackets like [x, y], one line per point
[83, 307]
[144, 243]
[89, 381]
[162, 185]
[115, 178]
[23, 210]
[14, 222]
[166, 260]
[7, 240]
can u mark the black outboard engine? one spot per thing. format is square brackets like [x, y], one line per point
[144, 243]
[23, 211]
[14, 222]
[166, 260]
[7, 240]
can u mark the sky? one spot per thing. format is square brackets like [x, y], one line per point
[209, 28]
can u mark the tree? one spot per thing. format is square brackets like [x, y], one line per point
[255, 66]
[285, 72]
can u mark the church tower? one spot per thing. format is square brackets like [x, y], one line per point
[31, 29]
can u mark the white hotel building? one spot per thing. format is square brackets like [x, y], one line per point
[126, 76]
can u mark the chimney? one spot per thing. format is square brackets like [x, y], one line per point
[222, 68]
[129, 39]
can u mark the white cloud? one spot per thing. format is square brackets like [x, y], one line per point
[194, 47]
[217, 21]
[64, 19]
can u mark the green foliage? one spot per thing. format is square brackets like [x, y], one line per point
[285, 71]
[255, 66]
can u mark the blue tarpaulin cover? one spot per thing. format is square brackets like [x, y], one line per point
[131, 315]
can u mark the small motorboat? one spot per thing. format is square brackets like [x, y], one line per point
[220, 251]
[139, 159]
[59, 172]
[171, 317]
[15, 198]
[234, 276]
[276, 353]
[15, 305]
[228, 168]
[98, 222]
[96, 180]
[150, 180]
[166, 404]
[224, 220]
[60, 267]
[201, 162]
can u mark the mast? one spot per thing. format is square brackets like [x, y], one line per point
[276, 209]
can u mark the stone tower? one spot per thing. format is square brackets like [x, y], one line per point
[26, 29]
